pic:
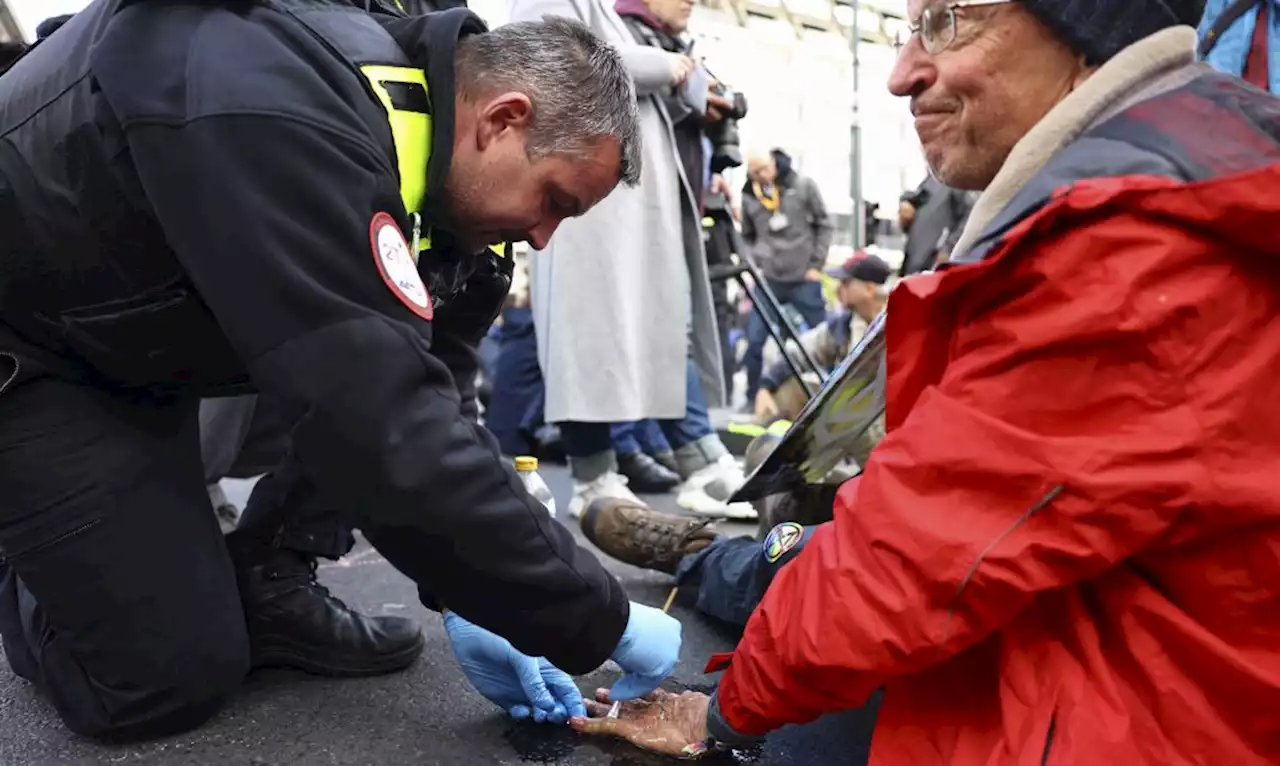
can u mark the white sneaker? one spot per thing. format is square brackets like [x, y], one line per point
[707, 492]
[611, 485]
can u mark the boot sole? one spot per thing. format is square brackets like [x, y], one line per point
[287, 655]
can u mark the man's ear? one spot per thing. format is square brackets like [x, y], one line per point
[509, 111]
[1083, 72]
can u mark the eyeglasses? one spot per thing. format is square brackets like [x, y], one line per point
[937, 25]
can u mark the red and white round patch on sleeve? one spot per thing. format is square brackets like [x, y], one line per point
[396, 265]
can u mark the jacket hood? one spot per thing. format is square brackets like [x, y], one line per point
[786, 173]
[430, 41]
[638, 9]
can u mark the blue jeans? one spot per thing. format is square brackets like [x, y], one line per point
[805, 297]
[639, 436]
[515, 408]
[733, 573]
[587, 439]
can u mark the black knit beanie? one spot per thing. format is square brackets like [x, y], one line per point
[1099, 29]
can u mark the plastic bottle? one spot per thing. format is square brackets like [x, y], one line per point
[527, 467]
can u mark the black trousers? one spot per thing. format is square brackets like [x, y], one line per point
[118, 596]
[245, 436]
[117, 593]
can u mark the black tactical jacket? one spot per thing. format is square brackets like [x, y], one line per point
[189, 198]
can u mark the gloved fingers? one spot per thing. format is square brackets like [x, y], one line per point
[602, 696]
[559, 715]
[539, 715]
[530, 676]
[519, 712]
[633, 685]
[563, 688]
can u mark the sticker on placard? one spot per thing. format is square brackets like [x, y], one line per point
[396, 265]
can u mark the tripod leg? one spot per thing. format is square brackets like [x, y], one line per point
[761, 296]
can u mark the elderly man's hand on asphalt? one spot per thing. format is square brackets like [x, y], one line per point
[525, 687]
[660, 722]
[647, 652]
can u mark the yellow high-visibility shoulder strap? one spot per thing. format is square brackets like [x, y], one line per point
[406, 97]
[404, 94]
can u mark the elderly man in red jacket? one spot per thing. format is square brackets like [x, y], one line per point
[1067, 548]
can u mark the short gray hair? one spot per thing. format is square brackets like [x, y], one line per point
[580, 89]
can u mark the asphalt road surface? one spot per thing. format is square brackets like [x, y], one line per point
[426, 715]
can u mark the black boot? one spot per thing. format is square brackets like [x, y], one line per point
[645, 475]
[294, 622]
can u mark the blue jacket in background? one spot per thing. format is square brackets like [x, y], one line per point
[1232, 49]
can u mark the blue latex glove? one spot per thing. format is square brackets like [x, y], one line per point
[647, 653]
[523, 686]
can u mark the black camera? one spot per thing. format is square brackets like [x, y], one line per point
[726, 152]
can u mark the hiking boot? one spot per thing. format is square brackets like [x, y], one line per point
[294, 622]
[643, 537]
[645, 475]
[607, 485]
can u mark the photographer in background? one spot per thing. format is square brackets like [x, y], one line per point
[719, 222]
[786, 226]
[932, 216]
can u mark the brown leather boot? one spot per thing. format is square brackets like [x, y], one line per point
[643, 537]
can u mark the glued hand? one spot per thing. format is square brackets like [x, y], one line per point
[661, 722]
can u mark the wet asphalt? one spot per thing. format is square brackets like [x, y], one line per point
[426, 715]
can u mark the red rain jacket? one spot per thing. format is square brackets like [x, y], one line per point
[1067, 548]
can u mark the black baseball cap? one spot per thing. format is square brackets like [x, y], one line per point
[864, 267]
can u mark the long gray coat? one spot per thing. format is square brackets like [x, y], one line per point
[611, 293]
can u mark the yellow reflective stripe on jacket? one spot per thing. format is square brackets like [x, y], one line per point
[411, 132]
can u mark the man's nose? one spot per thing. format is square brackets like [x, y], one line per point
[914, 71]
[540, 235]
